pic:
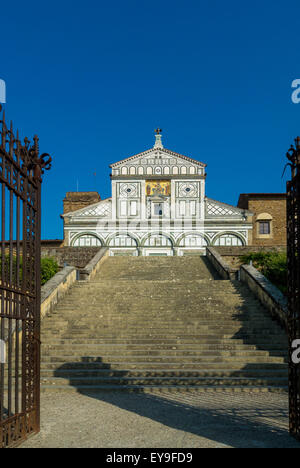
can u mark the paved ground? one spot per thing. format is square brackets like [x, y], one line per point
[174, 420]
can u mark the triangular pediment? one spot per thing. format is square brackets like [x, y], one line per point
[156, 155]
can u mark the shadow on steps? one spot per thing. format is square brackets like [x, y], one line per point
[241, 420]
[267, 334]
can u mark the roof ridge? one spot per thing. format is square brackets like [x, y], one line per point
[87, 207]
[227, 204]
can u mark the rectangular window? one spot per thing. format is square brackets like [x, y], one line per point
[123, 208]
[192, 208]
[158, 209]
[264, 227]
[133, 208]
[182, 208]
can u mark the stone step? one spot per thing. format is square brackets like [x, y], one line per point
[97, 379]
[145, 324]
[152, 351]
[160, 270]
[158, 323]
[241, 335]
[126, 280]
[123, 323]
[168, 354]
[156, 290]
[245, 360]
[154, 310]
[94, 389]
[142, 311]
[82, 372]
[162, 329]
[77, 382]
[204, 330]
[135, 301]
[103, 297]
[123, 320]
[98, 364]
[115, 342]
[149, 347]
[116, 312]
[192, 289]
[191, 286]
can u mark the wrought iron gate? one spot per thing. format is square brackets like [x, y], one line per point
[293, 245]
[21, 168]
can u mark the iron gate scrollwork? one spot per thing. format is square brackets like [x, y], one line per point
[293, 251]
[21, 169]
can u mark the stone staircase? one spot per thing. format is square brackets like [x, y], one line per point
[162, 322]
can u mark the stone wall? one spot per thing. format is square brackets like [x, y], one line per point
[277, 209]
[77, 257]
[51, 243]
[74, 201]
[273, 205]
[232, 255]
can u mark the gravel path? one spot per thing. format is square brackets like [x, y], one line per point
[162, 420]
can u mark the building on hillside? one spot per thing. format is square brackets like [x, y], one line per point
[158, 207]
[269, 217]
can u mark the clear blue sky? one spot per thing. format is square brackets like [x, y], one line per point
[95, 78]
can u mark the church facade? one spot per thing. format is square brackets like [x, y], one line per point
[158, 207]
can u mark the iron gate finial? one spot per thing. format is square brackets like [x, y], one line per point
[293, 155]
[27, 153]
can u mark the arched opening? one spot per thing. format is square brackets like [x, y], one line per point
[122, 240]
[87, 240]
[158, 240]
[193, 240]
[183, 170]
[229, 239]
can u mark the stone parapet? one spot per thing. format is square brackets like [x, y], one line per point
[267, 293]
[94, 265]
[56, 288]
[225, 271]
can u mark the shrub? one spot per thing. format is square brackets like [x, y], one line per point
[273, 265]
[49, 268]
